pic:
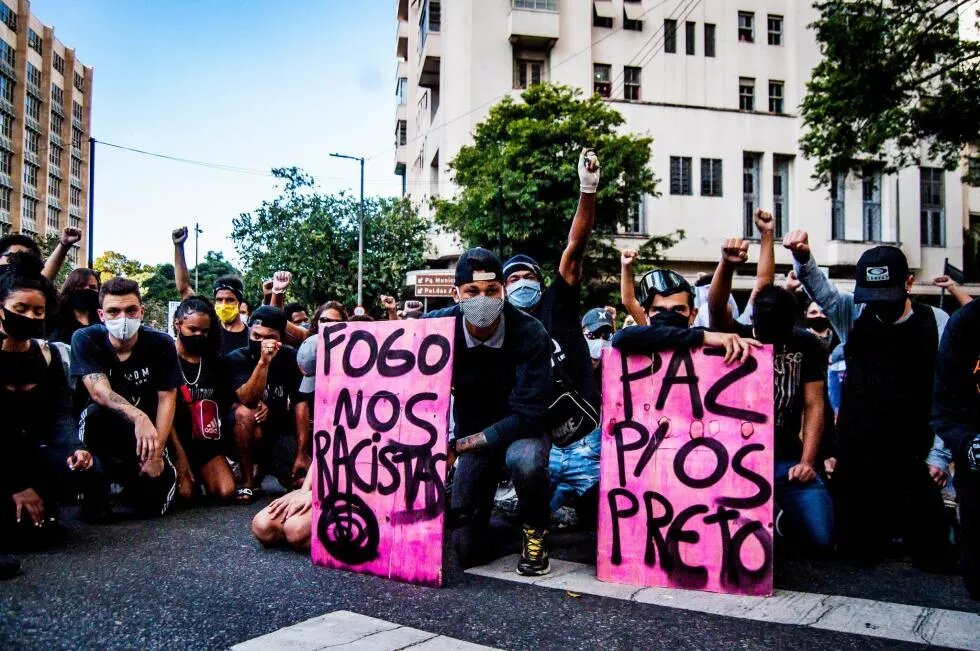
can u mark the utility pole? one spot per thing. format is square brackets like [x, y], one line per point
[91, 201]
[500, 218]
[197, 232]
[360, 232]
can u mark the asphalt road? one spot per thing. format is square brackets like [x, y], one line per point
[196, 580]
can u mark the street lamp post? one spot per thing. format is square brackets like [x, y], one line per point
[360, 232]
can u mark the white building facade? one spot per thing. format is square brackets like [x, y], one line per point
[716, 83]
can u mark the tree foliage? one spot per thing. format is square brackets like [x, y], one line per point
[315, 236]
[523, 164]
[893, 74]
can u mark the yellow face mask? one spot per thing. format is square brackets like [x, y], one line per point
[226, 312]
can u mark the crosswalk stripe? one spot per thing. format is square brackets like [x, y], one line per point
[949, 628]
[343, 629]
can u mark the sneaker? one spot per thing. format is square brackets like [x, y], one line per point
[534, 553]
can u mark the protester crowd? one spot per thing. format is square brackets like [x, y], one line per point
[876, 396]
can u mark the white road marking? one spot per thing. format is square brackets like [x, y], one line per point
[343, 629]
[949, 628]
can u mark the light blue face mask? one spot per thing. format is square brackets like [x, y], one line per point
[524, 293]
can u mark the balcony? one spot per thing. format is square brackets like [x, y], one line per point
[429, 60]
[534, 23]
[401, 44]
[401, 9]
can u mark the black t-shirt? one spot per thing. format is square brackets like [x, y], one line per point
[282, 383]
[150, 367]
[800, 360]
[232, 341]
[559, 313]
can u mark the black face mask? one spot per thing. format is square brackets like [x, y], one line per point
[670, 319]
[84, 300]
[255, 348]
[771, 324]
[194, 344]
[19, 326]
[887, 313]
[818, 323]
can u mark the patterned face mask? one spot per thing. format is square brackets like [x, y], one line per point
[482, 311]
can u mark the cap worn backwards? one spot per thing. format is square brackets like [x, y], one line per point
[478, 264]
[269, 317]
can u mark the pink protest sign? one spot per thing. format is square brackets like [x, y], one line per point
[685, 493]
[379, 449]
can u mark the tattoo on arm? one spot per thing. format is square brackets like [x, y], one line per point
[97, 383]
[473, 442]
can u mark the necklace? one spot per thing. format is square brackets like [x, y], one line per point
[200, 366]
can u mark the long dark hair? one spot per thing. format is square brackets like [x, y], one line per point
[201, 305]
[25, 274]
[329, 305]
[77, 279]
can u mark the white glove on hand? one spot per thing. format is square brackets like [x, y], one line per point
[588, 171]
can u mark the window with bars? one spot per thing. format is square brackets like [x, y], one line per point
[54, 155]
[710, 177]
[746, 94]
[34, 40]
[709, 40]
[690, 43]
[680, 175]
[602, 79]
[776, 97]
[635, 219]
[58, 62]
[751, 175]
[775, 26]
[871, 204]
[838, 186]
[746, 27]
[527, 72]
[631, 83]
[780, 193]
[670, 36]
[931, 206]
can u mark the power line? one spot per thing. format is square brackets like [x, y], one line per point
[189, 161]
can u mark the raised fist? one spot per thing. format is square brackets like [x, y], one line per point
[70, 236]
[588, 171]
[281, 281]
[798, 242]
[388, 302]
[944, 281]
[628, 257]
[270, 347]
[179, 235]
[764, 221]
[735, 250]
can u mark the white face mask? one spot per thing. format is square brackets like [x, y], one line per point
[482, 311]
[123, 328]
[596, 346]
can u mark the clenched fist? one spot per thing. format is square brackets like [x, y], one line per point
[588, 171]
[798, 242]
[764, 221]
[735, 251]
[179, 235]
[628, 257]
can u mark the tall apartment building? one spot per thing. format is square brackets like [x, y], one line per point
[716, 83]
[45, 108]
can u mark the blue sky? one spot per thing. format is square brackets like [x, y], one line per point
[250, 83]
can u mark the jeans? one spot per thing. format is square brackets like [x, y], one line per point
[808, 509]
[475, 482]
[574, 469]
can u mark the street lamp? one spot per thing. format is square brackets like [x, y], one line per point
[360, 232]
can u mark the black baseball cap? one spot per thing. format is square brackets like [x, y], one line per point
[881, 274]
[596, 319]
[478, 264]
[663, 282]
[269, 317]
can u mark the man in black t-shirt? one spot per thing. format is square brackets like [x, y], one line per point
[266, 371]
[131, 376]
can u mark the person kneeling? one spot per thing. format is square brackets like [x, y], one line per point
[287, 519]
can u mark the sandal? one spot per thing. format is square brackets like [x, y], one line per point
[245, 495]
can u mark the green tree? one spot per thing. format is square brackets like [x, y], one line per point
[892, 74]
[521, 170]
[314, 236]
[213, 266]
[111, 263]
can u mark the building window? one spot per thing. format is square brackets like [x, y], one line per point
[57, 122]
[74, 222]
[838, 186]
[6, 162]
[7, 54]
[670, 36]
[776, 97]
[54, 185]
[29, 215]
[6, 88]
[33, 77]
[710, 177]
[746, 26]
[54, 155]
[401, 91]
[631, 23]
[401, 133]
[79, 82]
[6, 125]
[8, 16]
[601, 79]
[527, 73]
[76, 111]
[746, 94]
[33, 107]
[871, 198]
[430, 19]
[59, 62]
[709, 40]
[34, 40]
[76, 138]
[600, 21]
[775, 24]
[635, 219]
[751, 166]
[631, 83]
[75, 196]
[689, 40]
[76, 167]
[540, 5]
[5, 198]
[780, 193]
[32, 141]
[57, 95]
[54, 218]
[680, 175]
[30, 174]
[932, 213]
